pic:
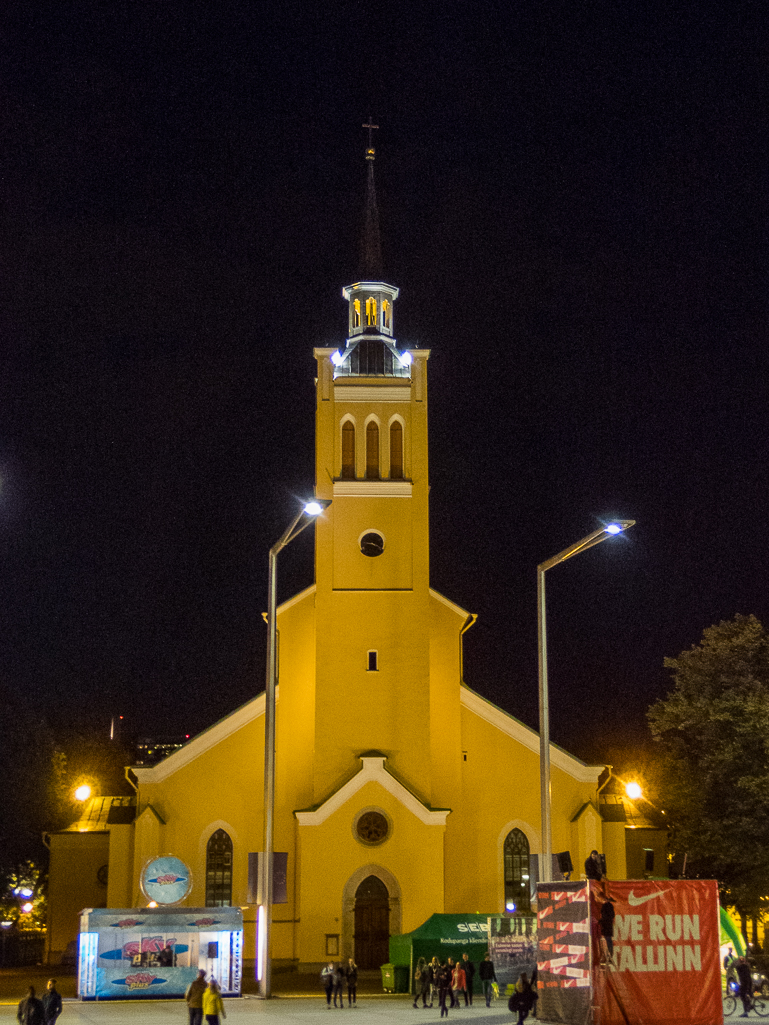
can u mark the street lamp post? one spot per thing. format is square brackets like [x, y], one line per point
[306, 515]
[546, 868]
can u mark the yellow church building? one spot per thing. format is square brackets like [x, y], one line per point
[400, 792]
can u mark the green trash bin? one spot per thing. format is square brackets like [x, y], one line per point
[402, 978]
[388, 978]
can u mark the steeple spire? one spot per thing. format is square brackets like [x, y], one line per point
[371, 246]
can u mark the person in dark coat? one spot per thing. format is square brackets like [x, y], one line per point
[327, 978]
[593, 867]
[338, 977]
[352, 983]
[443, 977]
[422, 977]
[51, 1002]
[607, 927]
[746, 985]
[522, 999]
[30, 1010]
[487, 976]
[469, 968]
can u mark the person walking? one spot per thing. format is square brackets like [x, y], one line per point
[30, 1010]
[469, 968]
[327, 978]
[51, 1001]
[450, 963]
[487, 976]
[458, 984]
[444, 987]
[339, 976]
[421, 982]
[352, 983]
[434, 966]
[213, 1005]
[194, 997]
[522, 999]
[746, 985]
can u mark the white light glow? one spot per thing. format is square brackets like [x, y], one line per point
[313, 508]
[510, 906]
[260, 952]
[337, 358]
[614, 528]
[26, 908]
[25, 891]
[406, 359]
[633, 790]
[83, 793]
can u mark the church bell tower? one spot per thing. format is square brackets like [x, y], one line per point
[372, 548]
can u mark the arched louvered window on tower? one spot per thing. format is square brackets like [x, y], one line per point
[396, 450]
[385, 314]
[371, 312]
[517, 873]
[356, 313]
[219, 870]
[372, 451]
[348, 451]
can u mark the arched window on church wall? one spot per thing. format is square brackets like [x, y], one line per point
[348, 450]
[385, 314]
[371, 312]
[219, 870]
[396, 450]
[517, 873]
[372, 451]
[356, 313]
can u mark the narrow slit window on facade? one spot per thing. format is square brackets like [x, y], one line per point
[219, 870]
[372, 451]
[348, 451]
[396, 450]
[373, 661]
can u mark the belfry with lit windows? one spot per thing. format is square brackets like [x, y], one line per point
[399, 791]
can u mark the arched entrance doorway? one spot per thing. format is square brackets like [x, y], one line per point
[372, 923]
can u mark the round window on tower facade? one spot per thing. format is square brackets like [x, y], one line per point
[372, 544]
[371, 828]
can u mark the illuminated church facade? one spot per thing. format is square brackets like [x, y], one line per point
[400, 792]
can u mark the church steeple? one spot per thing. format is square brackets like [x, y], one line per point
[370, 350]
[371, 245]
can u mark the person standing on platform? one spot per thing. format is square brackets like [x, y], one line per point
[469, 968]
[327, 978]
[487, 976]
[444, 988]
[51, 1002]
[213, 1005]
[746, 985]
[30, 1010]
[194, 997]
[351, 973]
[593, 869]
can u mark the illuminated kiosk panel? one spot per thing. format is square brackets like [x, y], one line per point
[121, 957]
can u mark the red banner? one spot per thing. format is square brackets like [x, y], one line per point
[665, 969]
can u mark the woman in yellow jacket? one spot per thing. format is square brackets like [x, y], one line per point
[213, 1005]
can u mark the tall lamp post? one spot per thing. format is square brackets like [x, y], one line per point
[546, 868]
[306, 515]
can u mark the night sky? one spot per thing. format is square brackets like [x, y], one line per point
[573, 204]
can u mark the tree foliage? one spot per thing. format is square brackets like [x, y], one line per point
[713, 731]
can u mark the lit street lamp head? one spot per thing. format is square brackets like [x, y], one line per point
[618, 526]
[315, 508]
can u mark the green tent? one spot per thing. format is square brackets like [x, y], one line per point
[443, 936]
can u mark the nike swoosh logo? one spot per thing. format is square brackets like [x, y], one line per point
[634, 901]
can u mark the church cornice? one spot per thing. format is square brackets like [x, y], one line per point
[527, 737]
[382, 392]
[372, 488]
[373, 771]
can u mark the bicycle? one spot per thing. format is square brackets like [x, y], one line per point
[757, 1004]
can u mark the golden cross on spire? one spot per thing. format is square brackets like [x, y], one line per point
[370, 151]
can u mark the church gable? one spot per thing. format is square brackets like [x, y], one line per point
[373, 771]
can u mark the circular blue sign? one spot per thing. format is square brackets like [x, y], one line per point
[166, 880]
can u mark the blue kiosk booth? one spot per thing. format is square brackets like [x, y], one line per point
[156, 952]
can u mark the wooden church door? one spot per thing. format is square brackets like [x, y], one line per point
[372, 923]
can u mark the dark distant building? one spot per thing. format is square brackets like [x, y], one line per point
[150, 751]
